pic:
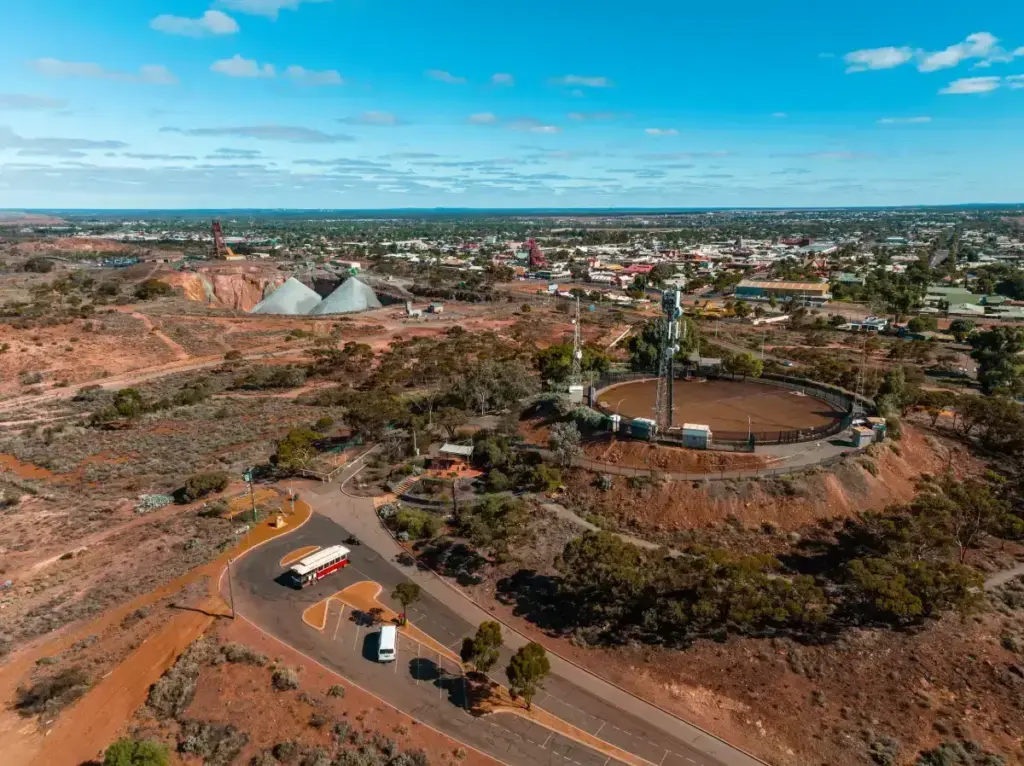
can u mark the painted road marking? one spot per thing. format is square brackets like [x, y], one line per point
[599, 728]
[666, 756]
[440, 673]
[355, 641]
[337, 627]
[544, 746]
[417, 677]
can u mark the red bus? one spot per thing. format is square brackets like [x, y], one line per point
[318, 565]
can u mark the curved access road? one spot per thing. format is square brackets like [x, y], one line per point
[428, 685]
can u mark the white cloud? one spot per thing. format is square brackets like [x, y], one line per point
[210, 23]
[161, 157]
[1015, 81]
[903, 120]
[309, 77]
[268, 8]
[661, 132]
[30, 103]
[151, 74]
[52, 147]
[371, 118]
[503, 79]
[236, 66]
[442, 76]
[530, 125]
[968, 85]
[980, 45]
[271, 132]
[779, 115]
[583, 116]
[482, 118]
[877, 58]
[586, 82]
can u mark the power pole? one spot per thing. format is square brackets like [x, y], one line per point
[231, 590]
[252, 495]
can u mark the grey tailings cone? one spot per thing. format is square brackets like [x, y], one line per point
[292, 298]
[351, 296]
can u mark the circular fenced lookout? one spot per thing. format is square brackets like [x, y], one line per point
[771, 410]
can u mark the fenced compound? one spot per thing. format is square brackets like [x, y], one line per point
[741, 412]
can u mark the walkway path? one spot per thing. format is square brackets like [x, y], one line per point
[1001, 578]
[787, 459]
[564, 513]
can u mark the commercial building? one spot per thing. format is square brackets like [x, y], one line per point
[816, 293]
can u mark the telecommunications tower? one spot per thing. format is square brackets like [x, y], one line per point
[672, 312]
[576, 377]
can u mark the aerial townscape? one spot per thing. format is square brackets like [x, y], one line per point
[659, 417]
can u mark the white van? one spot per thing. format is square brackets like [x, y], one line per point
[387, 643]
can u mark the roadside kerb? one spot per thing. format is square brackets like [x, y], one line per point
[455, 588]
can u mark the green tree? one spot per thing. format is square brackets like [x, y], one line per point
[527, 671]
[201, 484]
[961, 329]
[743, 363]
[923, 323]
[645, 346]
[296, 451]
[997, 351]
[555, 362]
[406, 594]
[131, 752]
[741, 309]
[482, 651]
[128, 403]
[565, 442]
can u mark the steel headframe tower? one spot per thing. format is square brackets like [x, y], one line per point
[219, 247]
[672, 312]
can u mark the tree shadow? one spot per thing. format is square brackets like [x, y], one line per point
[459, 688]
[454, 559]
[537, 598]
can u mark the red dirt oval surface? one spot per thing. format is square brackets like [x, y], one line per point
[724, 405]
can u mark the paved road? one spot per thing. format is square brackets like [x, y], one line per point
[412, 683]
[572, 692]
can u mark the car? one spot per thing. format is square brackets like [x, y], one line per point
[387, 643]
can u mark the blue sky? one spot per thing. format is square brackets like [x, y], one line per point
[352, 104]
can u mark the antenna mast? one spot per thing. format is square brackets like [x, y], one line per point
[670, 344]
[576, 376]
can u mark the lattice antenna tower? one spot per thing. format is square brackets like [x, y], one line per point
[858, 408]
[672, 312]
[576, 378]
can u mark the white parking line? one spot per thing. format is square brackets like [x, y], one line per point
[355, 641]
[338, 626]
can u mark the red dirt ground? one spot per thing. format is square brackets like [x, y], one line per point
[724, 405]
[229, 693]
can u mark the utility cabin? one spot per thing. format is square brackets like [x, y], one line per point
[453, 458]
[317, 566]
[696, 436]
